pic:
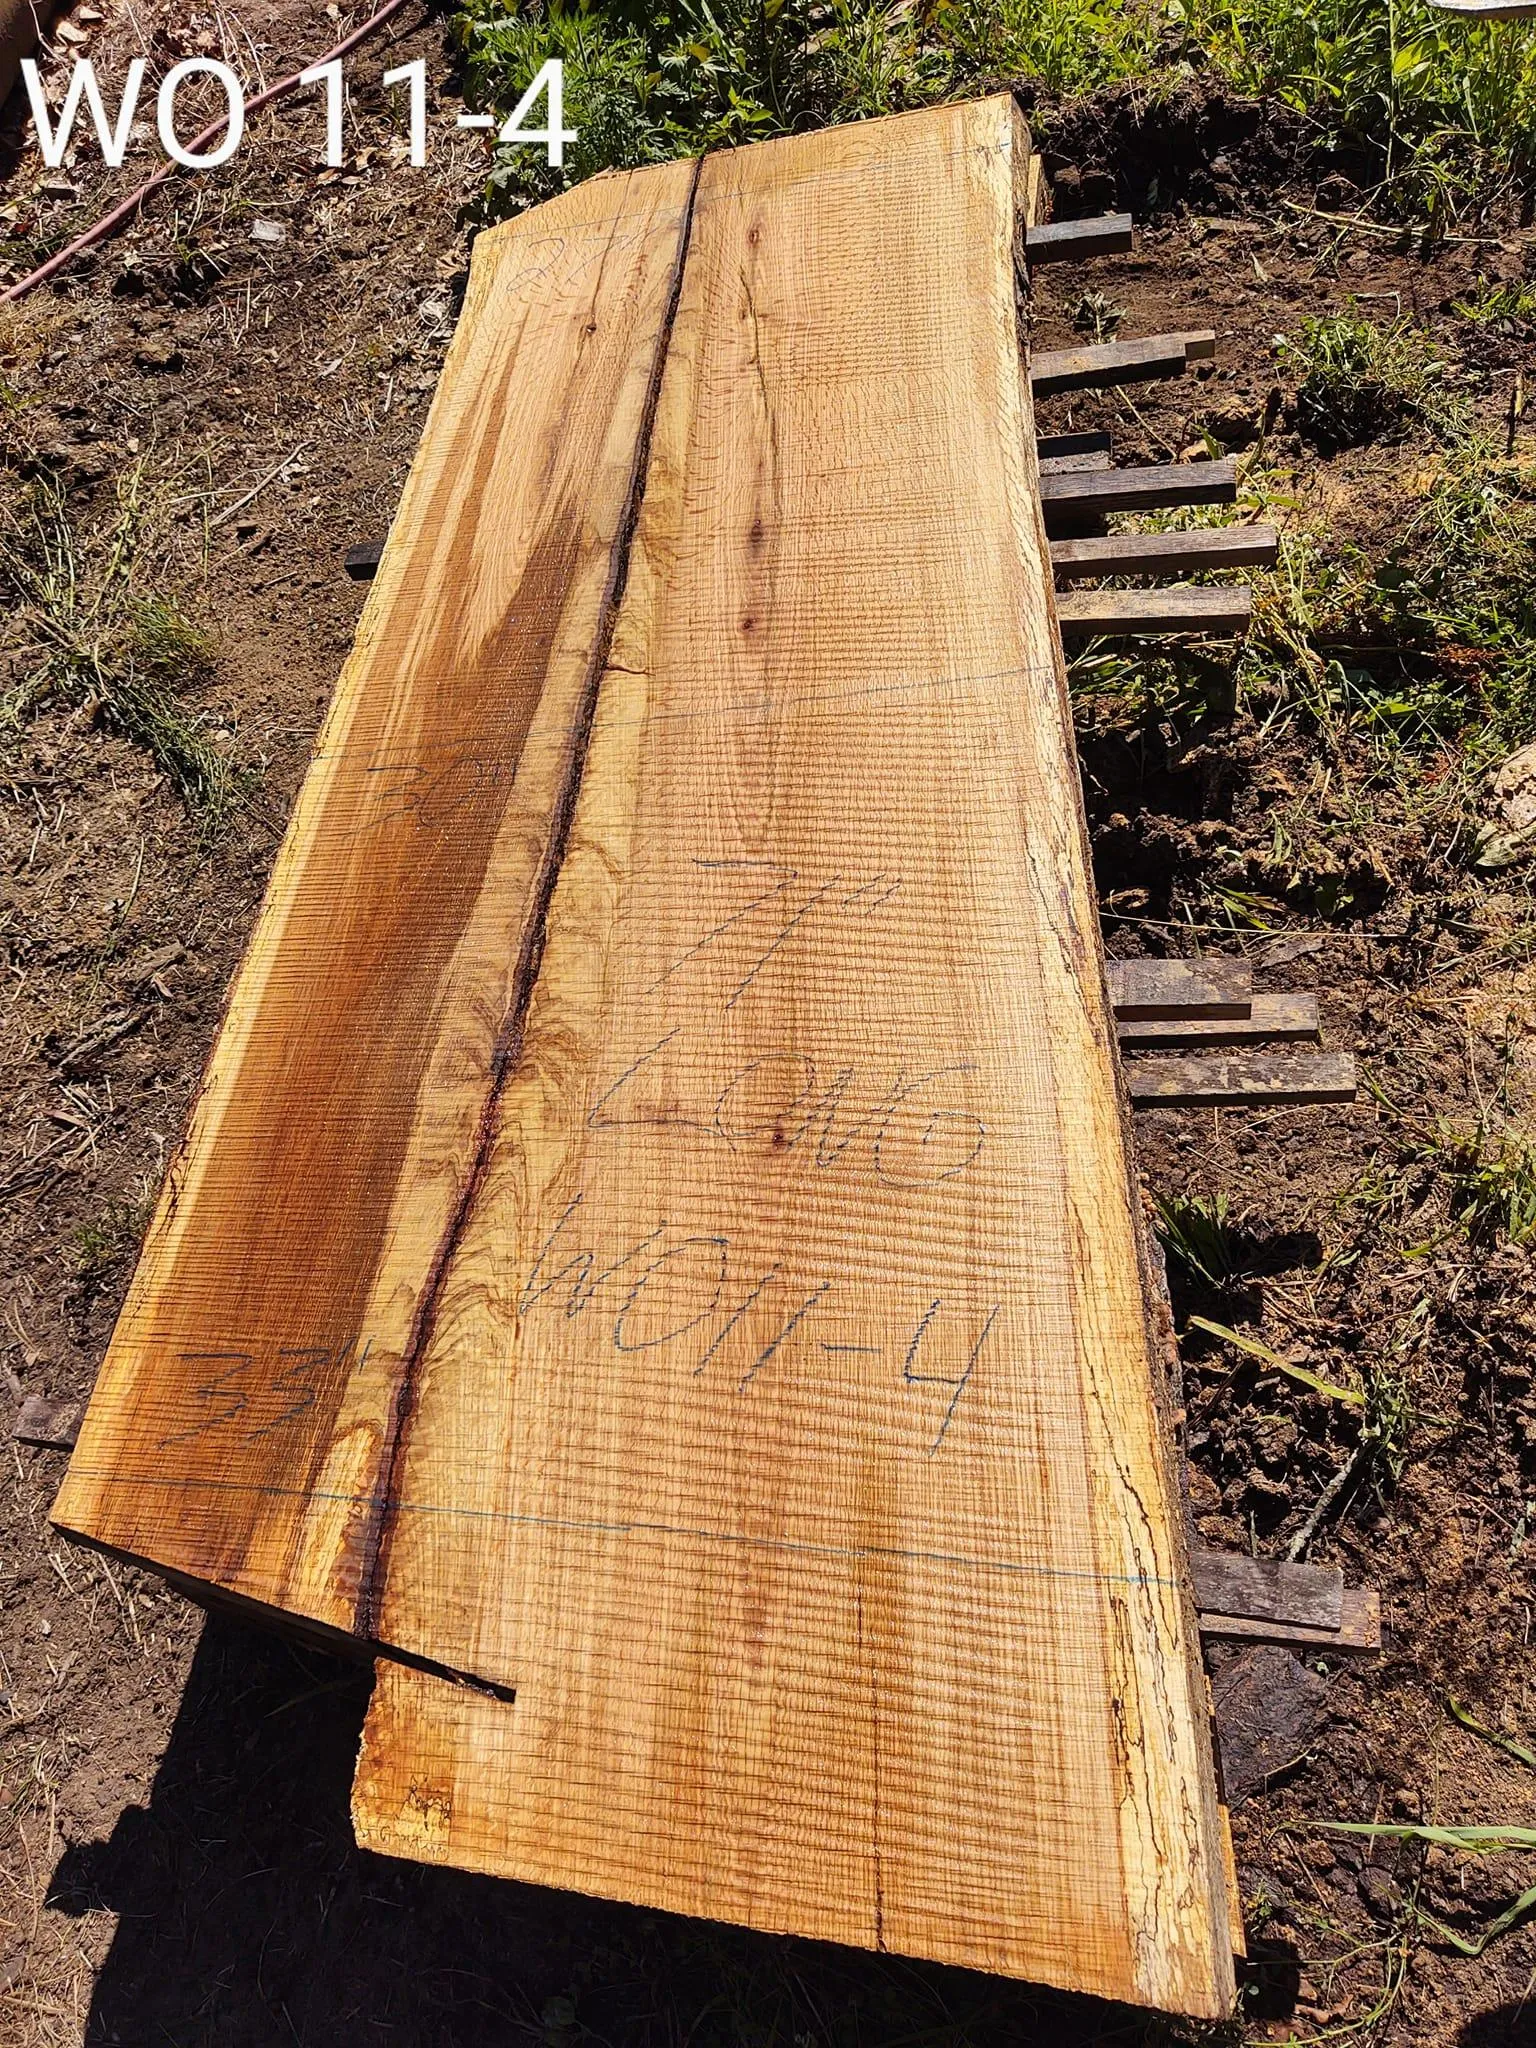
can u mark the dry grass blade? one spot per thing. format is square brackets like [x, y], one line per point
[1478, 1728]
[1475, 1840]
[93, 634]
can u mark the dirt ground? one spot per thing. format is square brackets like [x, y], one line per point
[175, 1858]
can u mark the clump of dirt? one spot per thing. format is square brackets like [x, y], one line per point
[1156, 153]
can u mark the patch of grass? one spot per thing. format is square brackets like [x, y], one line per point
[91, 635]
[1492, 1178]
[1444, 115]
[1360, 381]
[1498, 305]
[1195, 1230]
[101, 1242]
[1427, 646]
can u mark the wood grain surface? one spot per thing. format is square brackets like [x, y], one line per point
[784, 1443]
[243, 1421]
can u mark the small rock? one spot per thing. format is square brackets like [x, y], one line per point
[1221, 167]
[1260, 1491]
[68, 33]
[1234, 426]
[159, 358]
[1380, 1892]
[1068, 183]
[1318, 1855]
[1274, 1438]
[1514, 788]
[57, 188]
[271, 231]
[1284, 951]
[45, 1628]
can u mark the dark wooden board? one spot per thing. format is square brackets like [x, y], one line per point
[1141, 489]
[51, 1425]
[1268, 1589]
[1161, 554]
[1179, 608]
[1117, 362]
[1057, 241]
[1060, 448]
[362, 562]
[1274, 1078]
[1272, 1018]
[1064, 465]
[1143, 990]
[1359, 1634]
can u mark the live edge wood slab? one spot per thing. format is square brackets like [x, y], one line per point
[656, 1247]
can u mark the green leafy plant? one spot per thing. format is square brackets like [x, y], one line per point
[1440, 115]
[1195, 1230]
[1498, 305]
[1359, 381]
[1493, 1183]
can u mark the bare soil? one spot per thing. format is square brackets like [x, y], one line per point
[175, 1858]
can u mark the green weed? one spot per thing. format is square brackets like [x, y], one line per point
[1492, 1180]
[1097, 315]
[1442, 113]
[101, 1242]
[1498, 305]
[1195, 1230]
[92, 636]
[1360, 381]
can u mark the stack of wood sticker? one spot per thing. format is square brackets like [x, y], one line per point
[654, 1259]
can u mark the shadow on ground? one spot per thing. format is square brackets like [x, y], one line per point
[248, 1918]
[1510, 2026]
